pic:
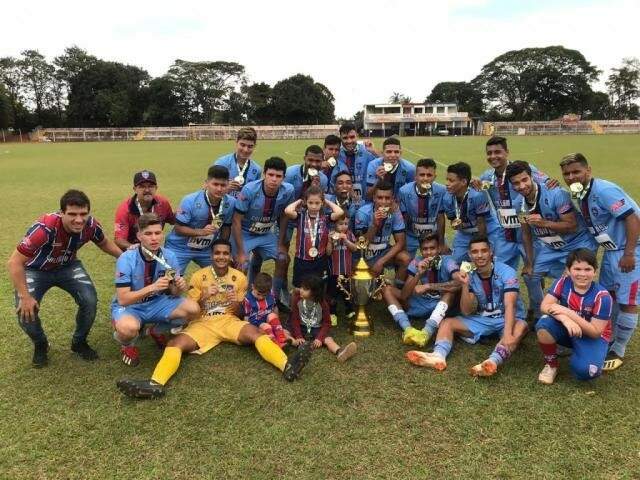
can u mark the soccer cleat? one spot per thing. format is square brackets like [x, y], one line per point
[130, 355]
[40, 357]
[423, 359]
[612, 362]
[296, 362]
[84, 351]
[140, 388]
[160, 338]
[484, 369]
[345, 353]
[413, 336]
[548, 374]
[334, 320]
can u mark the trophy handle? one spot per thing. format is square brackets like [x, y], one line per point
[382, 282]
[342, 279]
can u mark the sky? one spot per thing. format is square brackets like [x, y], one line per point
[363, 51]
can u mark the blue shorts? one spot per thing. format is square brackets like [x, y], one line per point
[266, 245]
[420, 306]
[201, 257]
[412, 245]
[548, 261]
[588, 354]
[156, 310]
[481, 326]
[625, 286]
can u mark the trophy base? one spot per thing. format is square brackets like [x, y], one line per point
[361, 327]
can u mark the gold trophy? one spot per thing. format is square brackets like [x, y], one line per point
[363, 286]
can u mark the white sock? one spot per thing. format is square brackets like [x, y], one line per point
[439, 312]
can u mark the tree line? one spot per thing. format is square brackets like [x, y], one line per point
[78, 89]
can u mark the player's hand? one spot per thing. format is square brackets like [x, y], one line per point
[181, 283]
[464, 278]
[377, 268]
[368, 144]
[627, 263]
[27, 308]
[573, 328]
[536, 220]
[212, 290]
[379, 216]
[476, 183]
[421, 289]
[316, 344]
[296, 342]
[161, 284]
[207, 230]
[552, 183]
[422, 265]
[509, 342]
[232, 296]
[380, 172]
[234, 186]
[527, 269]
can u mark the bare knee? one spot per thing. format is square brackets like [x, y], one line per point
[127, 327]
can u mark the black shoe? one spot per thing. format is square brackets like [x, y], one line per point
[140, 388]
[84, 351]
[282, 308]
[297, 361]
[40, 358]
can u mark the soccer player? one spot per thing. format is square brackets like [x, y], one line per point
[432, 282]
[577, 315]
[613, 219]
[242, 169]
[331, 150]
[550, 231]
[144, 200]
[203, 216]
[258, 211]
[378, 221]
[421, 206]
[390, 168]
[148, 287]
[344, 197]
[490, 305]
[354, 158]
[46, 258]
[219, 290]
[301, 177]
[466, 208]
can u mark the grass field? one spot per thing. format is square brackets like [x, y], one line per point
[229, 415]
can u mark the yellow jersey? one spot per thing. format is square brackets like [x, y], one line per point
[219, 303]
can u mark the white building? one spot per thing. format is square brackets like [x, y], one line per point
[416, 119]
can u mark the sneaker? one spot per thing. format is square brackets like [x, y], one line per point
[40, 357]
[345, 353]
[160, 338]
[296, 362]
[130, 355]
[413, 336]
[612, 362]
[140, 388]
[548, 374]
[84, 351]
[423, 359]
[334, 320]
[484, 369]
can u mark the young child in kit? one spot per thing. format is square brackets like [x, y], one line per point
[340, 249]
[312, 233]
[260, 309]
[310, 319]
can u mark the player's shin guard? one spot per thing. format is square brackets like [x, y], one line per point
[271, 352]
[626, 324]
[167, 366]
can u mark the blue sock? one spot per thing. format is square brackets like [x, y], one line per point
[625, 326]
[278, 284]
[430, 326]
[499, 354]
[442, 348]
[399, 316]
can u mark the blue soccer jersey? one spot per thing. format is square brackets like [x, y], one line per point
[297, 178]
[404, 173]
[490, 291]
[356, 164]
[595, 303]
[440, 273]
[262, 212]
[420, 211]
[251, 170]
[381, 241]
[196, 211]
[349, 207]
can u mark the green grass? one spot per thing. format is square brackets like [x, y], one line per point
[230, 415]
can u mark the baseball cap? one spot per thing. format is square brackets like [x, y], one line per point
[144, 176]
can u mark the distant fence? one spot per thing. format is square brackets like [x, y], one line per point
[196, 132]
[591, 127]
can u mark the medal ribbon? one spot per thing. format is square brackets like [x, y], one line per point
[313, 232]
[158, 259]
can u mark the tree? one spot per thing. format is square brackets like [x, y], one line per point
[464, 94]
[259, 103]
[11, 79]
[163, 108]
[624, 88]
[299, 100]
[536, 83]
[397, 97]
[68, 66]
[5, 108]
[38, 79]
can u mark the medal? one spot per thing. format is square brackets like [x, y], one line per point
[312, 172]
[457, 222]
[426, 186]
[385, 210]
[239, 179]
[434, 262]
[387, 167]
[217, 222]
[170, 272]
[486, 185]
[467, 267]
[576, 190]
[313, 233]
[335, 236]
[332, 162]
[216, 219]
[313, 252]
[241, 171]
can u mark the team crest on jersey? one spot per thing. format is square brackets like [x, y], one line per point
[593, 370]
[233, 278]
[594, 211]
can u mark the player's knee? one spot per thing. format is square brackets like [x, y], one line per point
[191, 308]
[403, 259]
[545, 322]
[583, 370]
[127, 328]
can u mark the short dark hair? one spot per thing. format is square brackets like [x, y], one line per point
[148, 219]
[315, 149]
[346, 128]
[574, 158]
[426, 163]
[517, 167]
[496, 140]
[313, 190]
[383, 185]
[76, 198]
[582, 255]
[343, 172]
[480, 239]
[263, 282]
[220, 241]
[315, 285]
[275, 163]
[461, 169]
[247, 133]
[218, 172]
[391, 141]
[430, 237]
[332, 140]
